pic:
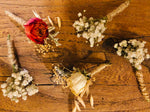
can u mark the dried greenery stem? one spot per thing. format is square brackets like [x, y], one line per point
[142, 86]
[118, 10]
[11, 54]
[19, 20]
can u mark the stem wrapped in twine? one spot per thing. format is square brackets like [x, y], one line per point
[119, 9]
[11, 54]
[98, 69]
[19, 20]
[142, 86]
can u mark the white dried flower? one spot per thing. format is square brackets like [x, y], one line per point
[18, 86]
[79, 14]
[90, 29]
[134, 51]
[3, 85]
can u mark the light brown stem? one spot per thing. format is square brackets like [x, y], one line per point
[11, 54]
[99, 68]
[142, 86]
[119, 9]
[17, 19]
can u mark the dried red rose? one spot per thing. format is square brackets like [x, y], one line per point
[36, 30]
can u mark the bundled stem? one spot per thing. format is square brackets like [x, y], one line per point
[99, 68]
[142, 86]
[19, 20]
[119, 9]
[11, 54]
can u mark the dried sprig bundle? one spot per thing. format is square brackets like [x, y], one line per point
[93, 29]
[78, 82]
[46, 47]
[134, 51]
[51, 28]
[20, 84]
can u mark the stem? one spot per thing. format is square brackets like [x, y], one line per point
[98, 69]
[11, 54]
[118, 10]
[142, 86]
[17, 19]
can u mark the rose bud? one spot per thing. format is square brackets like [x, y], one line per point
[36, 30]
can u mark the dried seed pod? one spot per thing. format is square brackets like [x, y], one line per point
[50, 21]
[98, 69]
[92, 101]
[11, 54]
[17, 19]
[77, 105]
[121, 8]
[74, 109]
[59, 22]
[142, 86]
[81, 101]
[36, 14]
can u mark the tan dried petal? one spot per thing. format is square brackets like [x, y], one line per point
[81, 101]
[50, 21]
[77, 105]
[58, 21]
[74, 109]
[36, 14]
[92, 101]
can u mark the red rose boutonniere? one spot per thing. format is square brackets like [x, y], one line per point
[36, 30]
[40, 30]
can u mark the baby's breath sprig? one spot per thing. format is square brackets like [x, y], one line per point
[20, 84]
[93, 29]
[134, 51]
[78, 82]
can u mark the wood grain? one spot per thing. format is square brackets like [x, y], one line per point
[115, 89]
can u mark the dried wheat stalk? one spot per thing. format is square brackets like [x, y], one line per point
[17, 19]
[11, 54]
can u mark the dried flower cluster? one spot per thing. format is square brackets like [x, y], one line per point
[93, 29]
[90, 28]
[46, 47]
[78, 82]
[134, 51]
[19, 85]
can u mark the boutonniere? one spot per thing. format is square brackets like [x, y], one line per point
[78, 82]
[134, 51]
[20, 83]
[93, 29]
[39, 30]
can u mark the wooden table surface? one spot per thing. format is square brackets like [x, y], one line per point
[115, 88]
